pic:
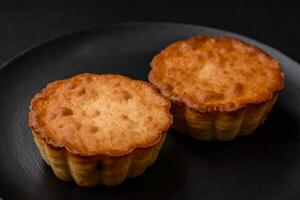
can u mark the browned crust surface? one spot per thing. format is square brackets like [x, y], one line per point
[93, 114]
[215, 74]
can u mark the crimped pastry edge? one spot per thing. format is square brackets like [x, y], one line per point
[89, 171]
[221, 126]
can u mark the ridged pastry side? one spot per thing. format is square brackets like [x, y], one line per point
[90, 171]
[220, 126]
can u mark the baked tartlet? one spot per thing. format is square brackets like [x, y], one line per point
[99, 129]
[219, 87]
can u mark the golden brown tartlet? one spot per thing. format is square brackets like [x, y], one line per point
[219, 87]
[99, 129]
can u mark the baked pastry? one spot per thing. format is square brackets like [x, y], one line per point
[219, 87]
[99, 129]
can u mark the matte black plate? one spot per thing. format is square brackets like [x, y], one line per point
[265, 165]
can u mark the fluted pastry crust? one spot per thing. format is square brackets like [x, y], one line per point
[215, 74]
[89, 171]
[222, 126]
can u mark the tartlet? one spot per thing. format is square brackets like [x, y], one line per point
[219, 87]
[99, 129]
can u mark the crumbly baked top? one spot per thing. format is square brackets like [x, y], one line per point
[91, 114]
[215, 74]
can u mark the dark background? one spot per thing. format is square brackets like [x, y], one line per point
[24, 23]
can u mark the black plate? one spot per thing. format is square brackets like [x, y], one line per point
[265, 165]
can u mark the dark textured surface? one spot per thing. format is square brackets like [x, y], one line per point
[24, 23]
[263, 166]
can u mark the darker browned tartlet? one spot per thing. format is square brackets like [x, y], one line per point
[219, 87]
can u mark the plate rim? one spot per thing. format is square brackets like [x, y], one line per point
[9, 61]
